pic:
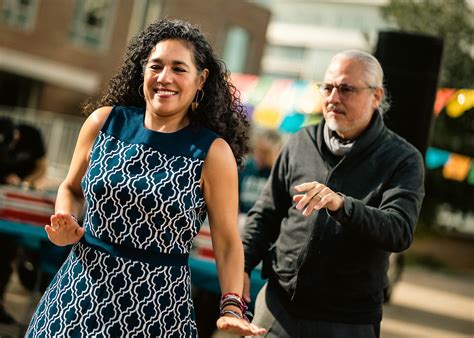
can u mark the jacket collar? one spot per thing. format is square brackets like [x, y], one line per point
[363, 142]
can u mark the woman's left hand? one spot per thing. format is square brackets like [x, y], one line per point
[239, 326]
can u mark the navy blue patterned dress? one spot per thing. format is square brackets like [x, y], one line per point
[128, 276]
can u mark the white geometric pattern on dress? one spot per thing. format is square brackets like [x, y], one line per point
[143, 196]
[93, 292]
[139, 197]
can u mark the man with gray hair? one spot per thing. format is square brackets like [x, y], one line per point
[341, 196]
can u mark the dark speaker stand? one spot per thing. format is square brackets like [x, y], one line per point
[411, 64]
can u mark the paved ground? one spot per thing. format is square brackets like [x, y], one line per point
[425, 303]
[443, 250]
[20, 303]
[428, 304]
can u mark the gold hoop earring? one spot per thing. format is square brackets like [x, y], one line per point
[140, 90]
[197, 99]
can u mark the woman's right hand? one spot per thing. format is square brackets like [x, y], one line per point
[239, 327]
[64, 230]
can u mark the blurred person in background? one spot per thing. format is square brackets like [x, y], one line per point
[266, 146]
[22, 154]
[341, 196]
[159, 152]
[22, 162]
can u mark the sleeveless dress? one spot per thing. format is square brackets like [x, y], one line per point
[128, 276]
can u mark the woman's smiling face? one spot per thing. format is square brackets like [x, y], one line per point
[171, 78]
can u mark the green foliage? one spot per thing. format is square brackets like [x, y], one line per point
[452, 20]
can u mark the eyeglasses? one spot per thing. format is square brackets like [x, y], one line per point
[344, 91]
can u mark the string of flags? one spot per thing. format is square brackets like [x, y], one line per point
[455, 166]
[268, 107]
[288, 105]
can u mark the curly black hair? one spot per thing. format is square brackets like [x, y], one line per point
[220, 110]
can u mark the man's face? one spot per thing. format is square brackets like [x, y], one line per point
[350, 113]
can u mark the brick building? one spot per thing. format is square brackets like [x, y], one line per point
[55, 53]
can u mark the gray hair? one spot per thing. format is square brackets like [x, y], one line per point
[373, 71]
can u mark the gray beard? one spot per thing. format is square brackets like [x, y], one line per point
[333, 126]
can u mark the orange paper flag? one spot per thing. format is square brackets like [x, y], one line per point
[442, 96]
[457, 167]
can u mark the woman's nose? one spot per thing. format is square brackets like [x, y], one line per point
[165, 76]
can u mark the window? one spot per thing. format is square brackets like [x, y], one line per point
[285, 52]
[19, 13]
[236, 49]
[91, 22]
[153, 11]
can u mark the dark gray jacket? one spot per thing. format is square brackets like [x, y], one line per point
[334, 267]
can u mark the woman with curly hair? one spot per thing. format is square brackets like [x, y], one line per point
[159, 152]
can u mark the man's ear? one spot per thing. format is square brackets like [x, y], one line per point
[378, 96]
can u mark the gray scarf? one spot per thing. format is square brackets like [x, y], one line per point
[335, 144]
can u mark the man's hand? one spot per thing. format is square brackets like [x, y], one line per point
[64, 230]
[315, 196]
[246, 291]
[13, 179]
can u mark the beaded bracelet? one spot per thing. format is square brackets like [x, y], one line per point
[234, 299]
[232, 313]
[231, 302]
[231, 294]
[231, 297]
